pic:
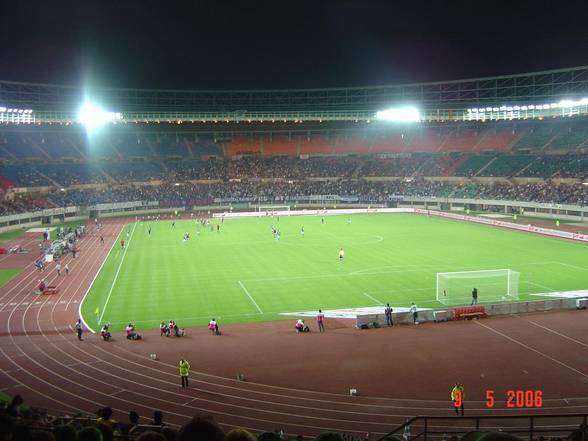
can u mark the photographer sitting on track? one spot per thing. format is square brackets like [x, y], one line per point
[301, 327]
[131, 333]
[105, 333]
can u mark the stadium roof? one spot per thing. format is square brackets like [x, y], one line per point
[551, 85]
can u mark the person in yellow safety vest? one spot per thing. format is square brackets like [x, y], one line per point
[457, 398]
[184, 371]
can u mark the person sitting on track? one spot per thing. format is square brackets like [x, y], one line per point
[46, 289]
[164, 329]
[105, 333]
[213, 327]
[132, 333]
[301, 327]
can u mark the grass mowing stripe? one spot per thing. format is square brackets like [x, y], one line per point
[250, 298]
[116, 275]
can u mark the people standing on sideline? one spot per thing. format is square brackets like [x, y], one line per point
[414, 312]
[457, 397]
[474, 296]
[73, 252]
[122, 244]
[66, 269]
[388, 314]
[184, 372]
[101, 240]
[58, 268]
[79, 329]
[320, 319]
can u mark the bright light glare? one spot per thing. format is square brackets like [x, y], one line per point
[93, 116]
[400, 114]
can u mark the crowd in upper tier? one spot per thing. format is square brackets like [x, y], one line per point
[188, 168]
[360, 190]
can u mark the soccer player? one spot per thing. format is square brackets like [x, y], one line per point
[414, 312]
[474, 296]
[341, 254]
[122, 244]
[149, 231]
[173, 224]
[302, 231]
[348, 220]
[322, 220]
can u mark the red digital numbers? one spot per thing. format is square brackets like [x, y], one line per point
[516, 399]
[490, 398]
[524, 398]
[457, 398]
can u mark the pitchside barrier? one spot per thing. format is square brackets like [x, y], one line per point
[435, 315]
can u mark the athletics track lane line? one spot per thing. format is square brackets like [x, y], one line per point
[561, 363]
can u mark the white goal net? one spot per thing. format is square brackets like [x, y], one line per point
[492, 286]
[272, 210]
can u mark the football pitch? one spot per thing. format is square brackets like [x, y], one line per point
[242, 273]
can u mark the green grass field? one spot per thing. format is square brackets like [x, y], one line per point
[8, 273]
[243, 274]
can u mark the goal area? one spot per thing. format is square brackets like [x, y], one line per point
[497, 285]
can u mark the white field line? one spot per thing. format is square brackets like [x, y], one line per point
[572, 266]
[539, 285]
[116, 275]
[407, 269]
[94, 279]
[373, 298]
[249, 295]
[555, 360]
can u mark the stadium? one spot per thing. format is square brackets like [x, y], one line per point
[435, 231]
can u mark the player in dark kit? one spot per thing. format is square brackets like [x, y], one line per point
[475, 296]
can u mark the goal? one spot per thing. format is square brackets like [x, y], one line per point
[493, 286]
[271, 210]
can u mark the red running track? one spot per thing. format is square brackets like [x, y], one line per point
[295, 383]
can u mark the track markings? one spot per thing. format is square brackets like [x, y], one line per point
[250, 297]
[116, 275]
[555, 360]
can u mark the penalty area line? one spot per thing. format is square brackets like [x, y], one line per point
[249, 295]
[373, 298]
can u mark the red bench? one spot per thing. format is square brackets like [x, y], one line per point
[469, 312]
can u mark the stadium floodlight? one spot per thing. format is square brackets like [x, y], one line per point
[399, 114]
[92, 116]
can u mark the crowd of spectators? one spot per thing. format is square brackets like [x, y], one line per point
[21, 422]
[354, 190]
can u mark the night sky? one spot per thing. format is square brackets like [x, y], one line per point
[261, 44]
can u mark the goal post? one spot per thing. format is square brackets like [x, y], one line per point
[271, 210]
[497, 285]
